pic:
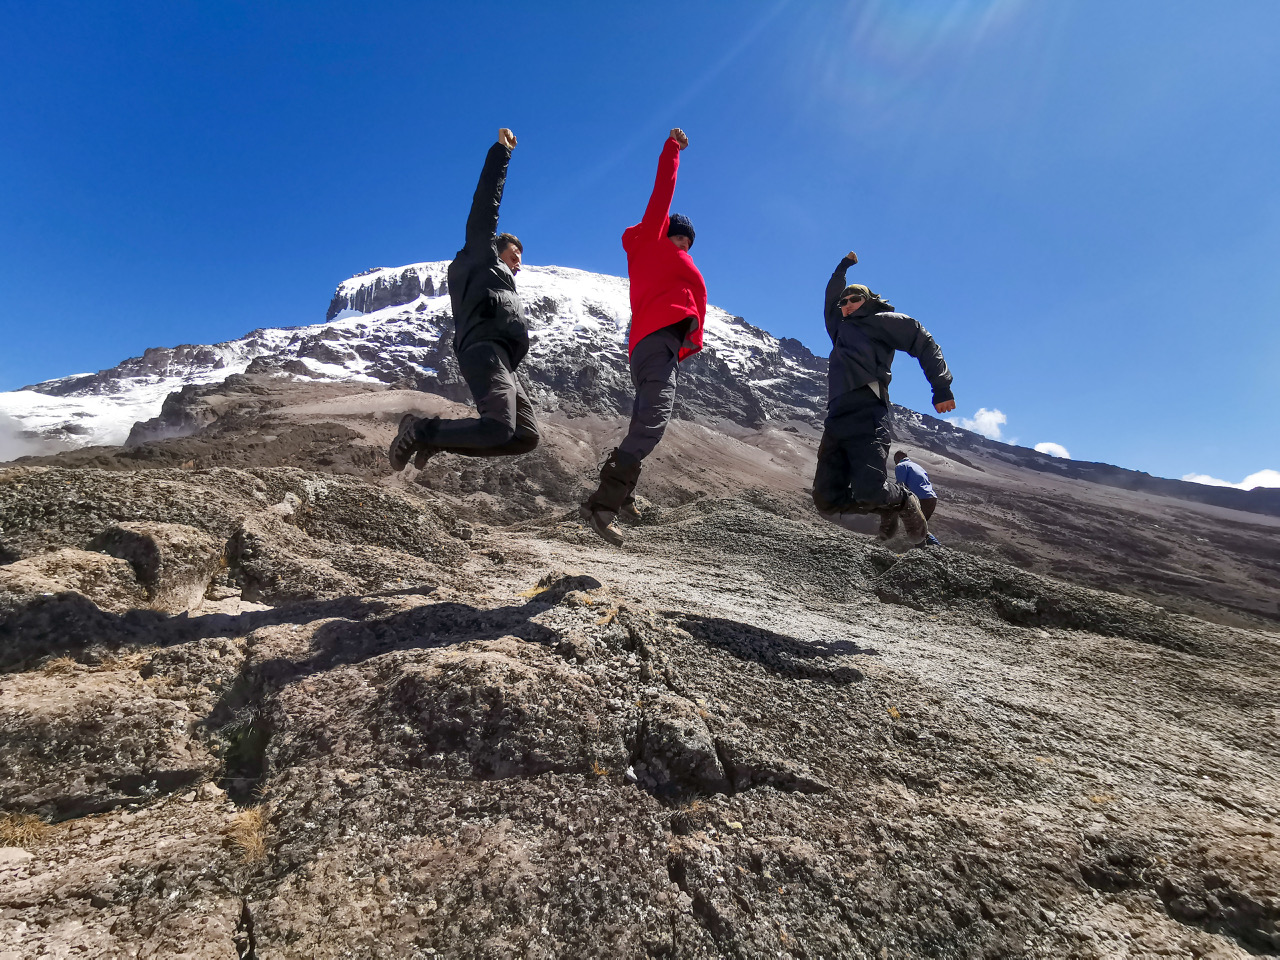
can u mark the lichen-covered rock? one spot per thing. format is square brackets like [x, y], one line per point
[81, 741]
[272, 562]
[174, 562]
[108, 582]
[489, 709]
[934, 579]
[66, 600]
[676, 754]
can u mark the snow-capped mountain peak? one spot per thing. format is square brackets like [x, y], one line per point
[394, 326]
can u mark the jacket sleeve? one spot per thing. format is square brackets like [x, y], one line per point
[482, 224]
[835, 286]
[664, 188]
[905, 333]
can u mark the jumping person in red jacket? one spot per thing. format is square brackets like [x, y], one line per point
[668, 310]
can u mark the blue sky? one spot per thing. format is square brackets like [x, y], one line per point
[1079, 200]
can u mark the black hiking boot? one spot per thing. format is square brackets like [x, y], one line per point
[601, 521]
[425, 431]
[405, 443]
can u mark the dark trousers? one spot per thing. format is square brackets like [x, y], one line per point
[927, 506]
[853, 473]
[506, 425]
[654, 364]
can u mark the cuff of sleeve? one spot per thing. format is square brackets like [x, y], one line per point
[846, 262]
[942, 395]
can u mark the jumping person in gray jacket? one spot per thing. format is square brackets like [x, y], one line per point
[852, 475]
[490, 337]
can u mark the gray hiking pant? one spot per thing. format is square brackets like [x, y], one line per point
[654, 363]
[506, 426]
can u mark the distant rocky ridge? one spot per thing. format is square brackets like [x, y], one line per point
[394, 327]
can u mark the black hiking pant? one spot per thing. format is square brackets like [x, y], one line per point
[853, 474]
[506, 426]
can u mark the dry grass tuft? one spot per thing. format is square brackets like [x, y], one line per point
[21, 830]
[250, 831]
[125, 660]
[59, 666]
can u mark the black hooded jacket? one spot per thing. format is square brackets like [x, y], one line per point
[482, 288]
[864, 343]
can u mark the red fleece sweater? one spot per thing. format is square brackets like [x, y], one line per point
[666, 287]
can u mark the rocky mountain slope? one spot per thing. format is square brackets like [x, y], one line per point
[262, 698]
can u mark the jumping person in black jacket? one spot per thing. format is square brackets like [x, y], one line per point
[853, 474]
[490, 337]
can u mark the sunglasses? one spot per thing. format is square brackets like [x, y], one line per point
[845, 300]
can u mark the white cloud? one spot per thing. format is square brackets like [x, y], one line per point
[986, 422]
[1053, 450]
[12, 443]
[1263, 478]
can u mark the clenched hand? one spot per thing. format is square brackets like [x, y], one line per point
[678, 135]
[507, 138]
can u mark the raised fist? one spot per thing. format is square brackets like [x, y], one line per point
[851, 256]
[678, 135]
[507, 138]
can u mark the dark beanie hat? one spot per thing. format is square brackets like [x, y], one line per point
[681, 226]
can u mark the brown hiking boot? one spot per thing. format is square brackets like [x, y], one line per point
[913, 521]
[405, 443]
[601, 521]
[629, 512]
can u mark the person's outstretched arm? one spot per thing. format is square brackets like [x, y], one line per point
[664, 185]
[906, 334]
[482, 224]
[835, 286]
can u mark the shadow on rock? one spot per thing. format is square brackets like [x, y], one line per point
[776, 652]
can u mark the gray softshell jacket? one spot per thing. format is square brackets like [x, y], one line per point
[482, 288]
[863, 346]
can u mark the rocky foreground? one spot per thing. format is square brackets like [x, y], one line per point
[261, 711]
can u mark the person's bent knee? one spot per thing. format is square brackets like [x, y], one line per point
[502, 432]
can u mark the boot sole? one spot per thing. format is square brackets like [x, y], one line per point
[589, 518]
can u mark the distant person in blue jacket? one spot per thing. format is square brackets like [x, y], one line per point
[912, 476]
